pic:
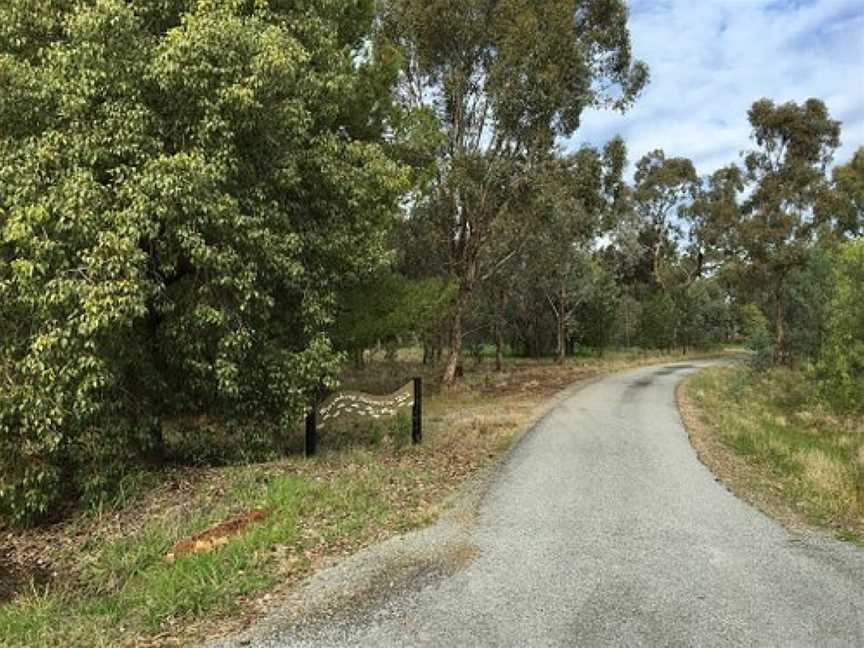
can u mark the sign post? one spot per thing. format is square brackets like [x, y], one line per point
[417, 412]
[312, 432]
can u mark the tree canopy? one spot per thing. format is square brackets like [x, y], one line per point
[183, 185]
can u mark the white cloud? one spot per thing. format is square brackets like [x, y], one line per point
[710, 60]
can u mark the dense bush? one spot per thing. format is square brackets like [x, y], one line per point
[182, 186]
[840, 368]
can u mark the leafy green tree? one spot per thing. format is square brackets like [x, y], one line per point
[387, 306]
[753, 320]
[664, 187]
[183, 185]
[780, 219]
[575, 200]
[703, 316]
[845, 204]
[841, 366]
[655, 330]
[593, 323]
[808, 297]
[503, 79]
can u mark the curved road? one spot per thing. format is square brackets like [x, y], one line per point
[603, 529]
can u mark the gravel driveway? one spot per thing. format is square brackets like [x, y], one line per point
[601, 529]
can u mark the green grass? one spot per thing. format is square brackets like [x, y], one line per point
[812, 457]
[128, 589]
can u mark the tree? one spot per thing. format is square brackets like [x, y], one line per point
[664, 187]
[184, 184]
[575, 199]
[503, 79]
[841, 366]
[808, 302]
[593, 324]
[845, 204]
[787, 172]
[385, 306]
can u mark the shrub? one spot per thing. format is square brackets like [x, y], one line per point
[840, 368]
[184, 186]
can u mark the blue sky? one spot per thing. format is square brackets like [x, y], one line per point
[711, 59]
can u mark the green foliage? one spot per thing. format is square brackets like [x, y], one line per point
[758, 339]
[787, 171]
[702, 314]
[761, 345]
[593, 322]
[503, 80]
[388, 305]
[840, 368]
[657, 323]
[845, 204]
[753, 320]
[808, 298]
[184, 185]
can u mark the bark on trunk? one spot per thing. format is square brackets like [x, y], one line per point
[499, 334]
[454, 356]
[562, 326]
[779, 351]
[562, 341]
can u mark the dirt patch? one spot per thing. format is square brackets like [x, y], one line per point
[215, 536]
[16, 578]
[742, 479]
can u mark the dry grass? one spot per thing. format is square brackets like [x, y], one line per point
[100, 577]
[765, 438]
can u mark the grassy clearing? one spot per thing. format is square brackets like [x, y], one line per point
[100, 578]
[764, 436]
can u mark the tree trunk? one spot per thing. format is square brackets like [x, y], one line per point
[454, 356]
[779, 350]
[157, 441]
[562, 326]
[561, 352]
[499, 333]
[627, 322]
[157, 451]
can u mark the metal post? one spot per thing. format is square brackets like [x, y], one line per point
[417, 413]
[312, 432]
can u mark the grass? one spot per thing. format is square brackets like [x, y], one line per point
[798, 460]
[127, 591]
[114, 586]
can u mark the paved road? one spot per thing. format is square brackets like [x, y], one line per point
[603, 529]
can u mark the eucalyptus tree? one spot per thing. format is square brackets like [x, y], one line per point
[841, 366]
[845, 203]
[575, 200]
[664, 189]
[183, 184]
[781, 218]
[503, 79]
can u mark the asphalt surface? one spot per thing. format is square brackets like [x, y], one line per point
[604, 529]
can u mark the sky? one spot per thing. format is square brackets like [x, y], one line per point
[711, 59]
